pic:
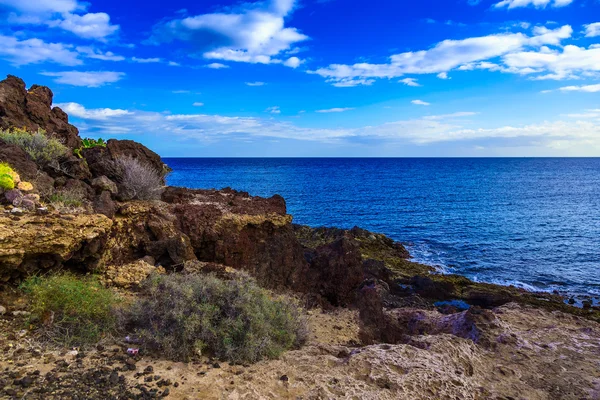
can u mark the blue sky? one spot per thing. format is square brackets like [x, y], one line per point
[318, 77]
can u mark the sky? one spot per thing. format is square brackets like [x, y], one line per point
[318, 78]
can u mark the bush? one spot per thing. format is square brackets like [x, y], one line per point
[139, 181]
[41, 148]
[7, 177]
[75, 311]
[67, 199]
[235, 320]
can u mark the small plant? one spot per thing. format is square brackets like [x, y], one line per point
[67, 199]
[73, 311]
[7, 177]
[41, 148]
[138, 180]
[89, 143]
[235, 320]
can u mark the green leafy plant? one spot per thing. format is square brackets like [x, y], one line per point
[41, 148]
[236, 320]
[73, 311]
[89, 143]
[66, 199]
[7, 177]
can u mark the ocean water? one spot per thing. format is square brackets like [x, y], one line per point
[529, 222]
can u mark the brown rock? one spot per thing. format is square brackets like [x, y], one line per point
[32, 110]
[102, 183]
[104, 204]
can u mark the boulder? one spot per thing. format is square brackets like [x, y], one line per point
[32, 109]
[104, 204]
[102, 183]
[129, 275]
[38, 242]
[25, 186]
[12, 195]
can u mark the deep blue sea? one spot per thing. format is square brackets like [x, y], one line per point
[530, 222]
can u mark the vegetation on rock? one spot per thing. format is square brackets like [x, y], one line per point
[73, 311]
[41, 148]
[235, 320]
[7, 177]
[139, 181]
[89, 143]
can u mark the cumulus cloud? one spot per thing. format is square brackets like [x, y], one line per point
[410, 82]
[443, 57]
[252, 33]
[592, 30]
[62, 14]
[198, 104]
[91, 52]
[78, 111]
[335, 110]
[535, 3]
[255, 83]
[88, 26]
[420, 103]
[87, 79]
[33, 51]
[585, 88]
[443, 75]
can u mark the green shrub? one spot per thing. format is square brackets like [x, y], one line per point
[6, 182]
[41, 148]
[7, 177]
[89, 143]
[74, 311]
[67, 198]
[235, 320]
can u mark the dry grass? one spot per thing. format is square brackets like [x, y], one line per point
[138, 181]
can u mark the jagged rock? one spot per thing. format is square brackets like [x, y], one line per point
[24, 166]
[101, 160]
[104, 204]
[36, 242]
[71, 167]
[32, 109]
[33, 197]
[102, 183]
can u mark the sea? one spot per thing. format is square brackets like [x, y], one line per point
[529, 222]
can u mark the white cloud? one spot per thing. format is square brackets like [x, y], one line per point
[592, 30]
[87, 79]
[216, 66]
[586, 88]
[198, 104]
[79, 111]
[44, 6]
[146, 60]
[443, 57]
[255, 83]
[460, 114]
[91, 52]
[88, 26]
[431, 129]
[410, 82]
[173, 64]
[273, 110]
[292, 62]
[420, 103]
[443, 75]
[335, 110]
[180, 91]
[535, 3]
[251, 33]
[33, 51]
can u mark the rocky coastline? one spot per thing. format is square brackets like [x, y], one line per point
[381, 326]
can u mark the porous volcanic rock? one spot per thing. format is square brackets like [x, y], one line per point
[31, 242]
[32, 109]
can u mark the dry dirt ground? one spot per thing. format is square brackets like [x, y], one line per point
[538, 355]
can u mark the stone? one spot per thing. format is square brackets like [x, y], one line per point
[2, 310]
[129, 275]
[32, 109]
[25, 186]
[12, 195]
[16, 211]
[42, 210]
[104, 204]
[102, 183]
[33, 197]
[28, 204]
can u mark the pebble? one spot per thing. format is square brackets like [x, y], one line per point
[2, 310]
